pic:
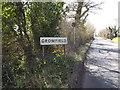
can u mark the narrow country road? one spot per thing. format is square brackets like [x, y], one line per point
[101, 65]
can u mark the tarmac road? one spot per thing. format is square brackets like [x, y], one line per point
[101, 66]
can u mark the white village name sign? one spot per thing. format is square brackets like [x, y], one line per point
[53, 40]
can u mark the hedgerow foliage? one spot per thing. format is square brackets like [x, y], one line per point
[23, 23]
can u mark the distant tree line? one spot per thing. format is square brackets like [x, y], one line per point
[110, 32]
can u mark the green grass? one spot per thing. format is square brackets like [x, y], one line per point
[116, 40]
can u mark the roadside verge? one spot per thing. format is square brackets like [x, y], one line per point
[75, 81]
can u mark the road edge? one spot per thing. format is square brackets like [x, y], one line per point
[78, 70]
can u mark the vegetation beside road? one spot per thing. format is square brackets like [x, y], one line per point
[116, 40]
[78, 70]
[23, 23]
[59, 71]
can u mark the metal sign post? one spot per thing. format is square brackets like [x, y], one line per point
[65, 51]
[74, 24]
[74, 36]
[43, 51]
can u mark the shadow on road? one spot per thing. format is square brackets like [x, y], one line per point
[103, 44]
[91, 81]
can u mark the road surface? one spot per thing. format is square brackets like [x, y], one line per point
[101, 65]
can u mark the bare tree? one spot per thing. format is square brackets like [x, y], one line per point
[82, 10]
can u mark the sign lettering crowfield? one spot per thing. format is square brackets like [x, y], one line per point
[53, 40]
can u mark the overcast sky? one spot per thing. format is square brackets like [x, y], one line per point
[108, 16]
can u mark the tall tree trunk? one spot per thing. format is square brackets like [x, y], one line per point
[36, 37]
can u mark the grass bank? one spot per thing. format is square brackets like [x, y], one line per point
[75, 81]
[116, 40]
